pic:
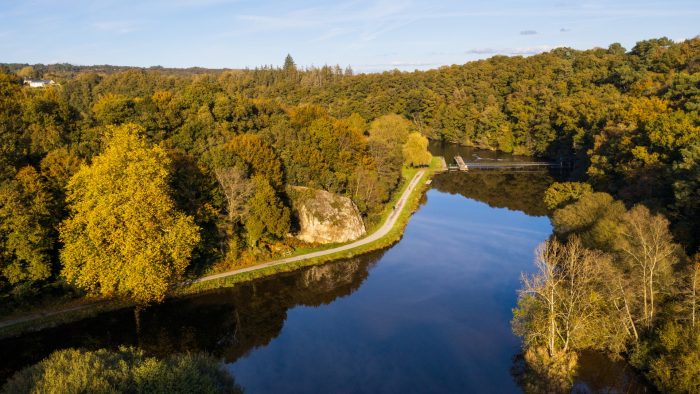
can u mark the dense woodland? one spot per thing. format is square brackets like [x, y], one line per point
[122, 167]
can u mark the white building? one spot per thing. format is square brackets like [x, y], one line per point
[38, 83]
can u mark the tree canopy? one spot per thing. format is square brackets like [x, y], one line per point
[126, 370]
[124, 235]
[156, 171]
[26, 227]
[415, 151]
[611, 279]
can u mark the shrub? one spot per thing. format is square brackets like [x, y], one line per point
[126, 370]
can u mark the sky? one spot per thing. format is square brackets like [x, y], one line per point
[367, 35]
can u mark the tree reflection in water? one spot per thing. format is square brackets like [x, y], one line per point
[227, 323]
[515, 191]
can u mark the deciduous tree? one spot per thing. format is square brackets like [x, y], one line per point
[125, 370]
[124, 235]
[415, 151]
[649, 253]
[561, 193]
[561, 308]
[595, 217]
[267, 216]
[238, 190]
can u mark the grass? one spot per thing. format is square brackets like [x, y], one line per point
[85, 308]
[435, 163]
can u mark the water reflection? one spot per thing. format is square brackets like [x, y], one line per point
[519, 192]
[228, 323]
[449, 151]
[599, 374]
[431, 314]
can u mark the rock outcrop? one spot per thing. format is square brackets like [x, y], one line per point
[325, 217]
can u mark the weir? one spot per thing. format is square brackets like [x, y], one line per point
[510, 166]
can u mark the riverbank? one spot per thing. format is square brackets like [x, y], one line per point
[389, 232]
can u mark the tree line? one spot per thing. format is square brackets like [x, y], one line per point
[628, 119]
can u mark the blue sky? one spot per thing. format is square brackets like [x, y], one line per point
[367, 35]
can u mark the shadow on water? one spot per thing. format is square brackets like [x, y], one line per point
[227, 323]
[517, 192]
[469, 154]
[596, 373]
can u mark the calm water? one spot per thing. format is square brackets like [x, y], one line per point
[431, 314]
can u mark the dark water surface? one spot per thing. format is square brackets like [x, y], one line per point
[431, 314]
[469, 154]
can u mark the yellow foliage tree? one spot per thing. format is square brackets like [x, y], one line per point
[113, 109]
[392, 129]
[415, 151]
[124, 235]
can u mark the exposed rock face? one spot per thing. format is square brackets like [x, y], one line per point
[325, 217]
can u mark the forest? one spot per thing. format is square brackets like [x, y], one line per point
[121, 181]
[178, 171]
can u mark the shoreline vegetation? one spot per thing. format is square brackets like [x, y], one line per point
[610, 279]
[85, 307]
[122, 370]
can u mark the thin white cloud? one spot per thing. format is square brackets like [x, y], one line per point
[332, 33]
[120, 27]
[374, 33]
[197, 3]
[346, 31]
[395, 65]
[558, 12]
[480, 52]
[366, 20]
[532, 50]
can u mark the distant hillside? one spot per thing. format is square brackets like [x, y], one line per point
[65, 71]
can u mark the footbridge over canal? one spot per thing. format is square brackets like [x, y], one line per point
[510, 166]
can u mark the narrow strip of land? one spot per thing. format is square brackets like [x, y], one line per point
[381, 232]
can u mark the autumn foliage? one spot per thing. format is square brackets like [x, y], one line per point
[124, 235]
